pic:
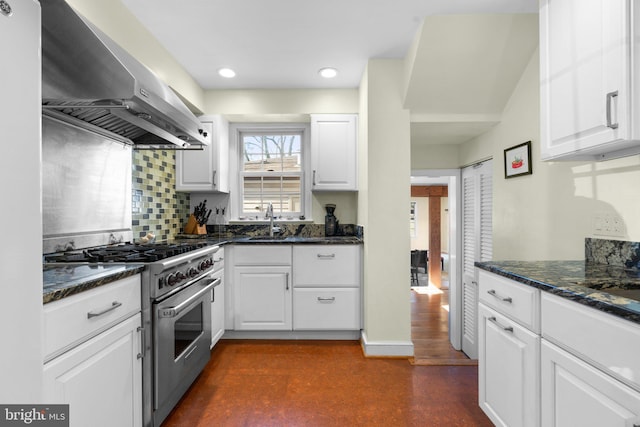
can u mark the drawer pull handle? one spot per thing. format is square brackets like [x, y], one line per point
[326, 256]
[504, 328]
[493, 294]
[287, 279]
[114, 305]
[326, 299]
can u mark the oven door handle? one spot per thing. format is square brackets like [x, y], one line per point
[175, 311]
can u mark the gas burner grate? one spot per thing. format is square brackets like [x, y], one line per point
[127, 253]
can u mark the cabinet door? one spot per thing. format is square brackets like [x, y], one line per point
[262, 298]
[206, 169]
[334, 152]
[101, 379]
[585, 75]
[577, 394]
[508, 370]
[195, 169]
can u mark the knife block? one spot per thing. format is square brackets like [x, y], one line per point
[193, 227]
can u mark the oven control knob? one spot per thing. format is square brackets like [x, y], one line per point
[180, 276]
[193, 272]
[205, 264]
[172, 279]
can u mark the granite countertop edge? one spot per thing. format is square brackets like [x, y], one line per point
[284, 240]
[54, 290]
[562, 278]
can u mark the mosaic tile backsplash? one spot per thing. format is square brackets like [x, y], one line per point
[156, 206]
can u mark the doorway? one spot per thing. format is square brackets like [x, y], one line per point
[449, 178]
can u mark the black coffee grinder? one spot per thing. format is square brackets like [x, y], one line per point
[330, 221]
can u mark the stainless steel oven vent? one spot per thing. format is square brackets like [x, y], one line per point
[87, 78]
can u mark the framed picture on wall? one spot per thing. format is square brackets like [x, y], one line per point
[413, 225]
[517, 160]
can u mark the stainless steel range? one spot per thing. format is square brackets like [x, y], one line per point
[176, 315]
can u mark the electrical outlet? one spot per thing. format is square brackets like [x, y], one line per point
[608, 224]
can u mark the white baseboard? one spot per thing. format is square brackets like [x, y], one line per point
[386, 348]
[292, 335]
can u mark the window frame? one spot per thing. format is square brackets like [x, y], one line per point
[236, 197]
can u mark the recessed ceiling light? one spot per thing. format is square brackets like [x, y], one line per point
[227, 73]
[328, 73]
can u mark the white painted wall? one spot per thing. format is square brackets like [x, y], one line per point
[548, 214]
[383, 210]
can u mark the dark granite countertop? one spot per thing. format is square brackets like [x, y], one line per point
[612, 289]
[332, 240]
[63, 280]
[260, 239]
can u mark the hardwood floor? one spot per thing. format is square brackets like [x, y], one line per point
[331, 383]
[430, 327]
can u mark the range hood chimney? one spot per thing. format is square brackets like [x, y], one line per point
[90, 81]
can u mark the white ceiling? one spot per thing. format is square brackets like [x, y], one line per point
[463, 71]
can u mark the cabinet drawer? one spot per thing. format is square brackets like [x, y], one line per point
[326, 308]
[611, 344]
[326, 265]
[515, 300]
[262, 255]
[75, 319]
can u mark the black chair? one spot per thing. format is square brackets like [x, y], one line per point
[415, 258]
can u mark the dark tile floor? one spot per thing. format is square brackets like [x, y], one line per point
[325, 383]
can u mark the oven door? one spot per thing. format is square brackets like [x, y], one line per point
[182, 336]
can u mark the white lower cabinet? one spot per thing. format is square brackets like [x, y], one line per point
[548, 361]
[508, 370]
[262, 298]
[100, 379]
[327, 287]
[575, 393]
[93, 350]
[326, 308]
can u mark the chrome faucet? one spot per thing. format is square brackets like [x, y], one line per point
[269, 214]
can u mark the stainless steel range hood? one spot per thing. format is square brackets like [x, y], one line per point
[89, 80]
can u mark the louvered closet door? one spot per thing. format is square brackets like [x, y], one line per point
[477, 205]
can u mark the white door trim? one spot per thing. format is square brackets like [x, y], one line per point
[451, 178]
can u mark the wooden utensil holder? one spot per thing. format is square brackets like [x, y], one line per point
[193, 227]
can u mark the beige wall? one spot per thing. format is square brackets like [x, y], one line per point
[385, 205]
[291, 102]
[432, 156]
[548, 214]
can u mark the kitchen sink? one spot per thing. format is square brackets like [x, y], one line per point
[268, 238]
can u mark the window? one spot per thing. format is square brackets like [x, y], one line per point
[271, 170]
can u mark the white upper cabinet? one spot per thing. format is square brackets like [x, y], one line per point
[589, 108]
[206, 170]
[334, 152]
